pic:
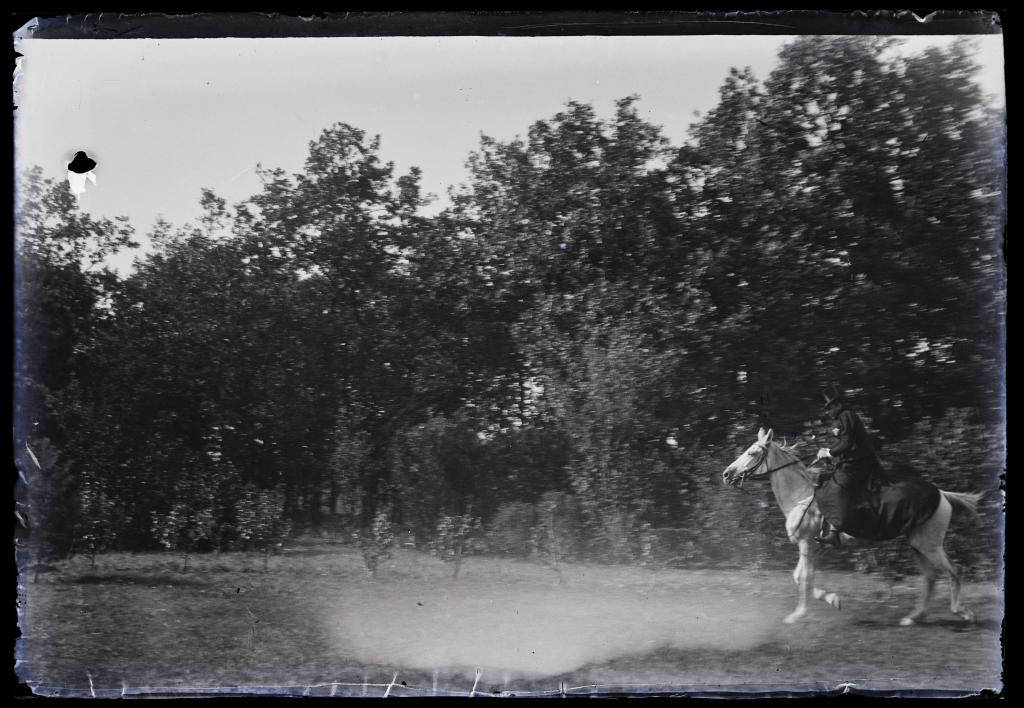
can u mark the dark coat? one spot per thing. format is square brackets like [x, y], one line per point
[856, 461]
[856, 466]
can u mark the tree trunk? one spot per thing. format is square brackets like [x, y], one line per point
[458, 558]
[332, 498]
[553, 540]
[313, 502]
[370, 485]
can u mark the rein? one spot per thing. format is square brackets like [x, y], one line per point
[763, 460]
[753, 474]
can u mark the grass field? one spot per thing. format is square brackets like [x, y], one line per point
[316, 624]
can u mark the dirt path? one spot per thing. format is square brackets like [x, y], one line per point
[537, 631]
[136, 624]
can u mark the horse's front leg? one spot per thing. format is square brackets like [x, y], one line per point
[830, 598]
[803, 575]
[801, 525]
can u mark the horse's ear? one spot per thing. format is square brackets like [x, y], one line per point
[760, 435]
[768, 438]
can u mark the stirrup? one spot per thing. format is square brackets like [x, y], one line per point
[832, 538]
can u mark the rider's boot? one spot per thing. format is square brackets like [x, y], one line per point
[828, 535]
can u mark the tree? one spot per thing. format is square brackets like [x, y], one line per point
[97, 525]
[377, 541]
[339, 233]
[825, 266]
[576, 233]
[618, 442]
[454, 537]
[192, 517]
[439, 468]
[45, 504]
[61, 289]
[60, 282]
[259, 518]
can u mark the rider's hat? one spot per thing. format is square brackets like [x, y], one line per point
[832, 395]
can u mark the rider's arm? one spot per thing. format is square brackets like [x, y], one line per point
[845, 428]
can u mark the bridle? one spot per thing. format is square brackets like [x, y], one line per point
[752, 473]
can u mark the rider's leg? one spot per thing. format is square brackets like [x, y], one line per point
[828, 534]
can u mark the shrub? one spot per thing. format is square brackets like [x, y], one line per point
[183, 529]
[454, 537]
[376, 542]
[558, 532]
[958, 453]
[97, 525]
[511, 531]
[259, 518]
[193, 516]
[647, 542]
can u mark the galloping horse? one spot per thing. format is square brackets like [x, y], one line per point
[793, 486]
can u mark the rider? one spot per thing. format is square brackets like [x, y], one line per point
[856, 463]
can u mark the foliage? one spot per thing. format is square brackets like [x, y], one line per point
[431, 468]
[191, 520]
[377, 541]
[959, 453]
[60, 287]
[98, 526]
[892, 562]
[346, 465]
[455, 536]
[46, 503]
[559, 531]
[259, 518]
[511, 529]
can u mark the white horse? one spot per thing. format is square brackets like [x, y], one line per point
[793, 486]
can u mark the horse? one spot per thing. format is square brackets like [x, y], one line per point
[793, 485]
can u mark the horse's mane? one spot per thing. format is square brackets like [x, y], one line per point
[789, 450]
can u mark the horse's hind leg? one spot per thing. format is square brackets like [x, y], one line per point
[928, 575]
[940, 560]
[927, 541]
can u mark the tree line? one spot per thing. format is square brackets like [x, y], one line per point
[596, 324]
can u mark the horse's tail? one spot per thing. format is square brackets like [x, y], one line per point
[965, 500]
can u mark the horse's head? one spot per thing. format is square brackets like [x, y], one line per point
[745, 465]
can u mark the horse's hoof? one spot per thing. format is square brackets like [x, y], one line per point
[907, 622]
[834, 600]
[793, 617]
[967, 615]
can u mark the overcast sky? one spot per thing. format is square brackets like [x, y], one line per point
[164, 118]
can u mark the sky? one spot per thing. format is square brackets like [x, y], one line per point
[165, 118]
